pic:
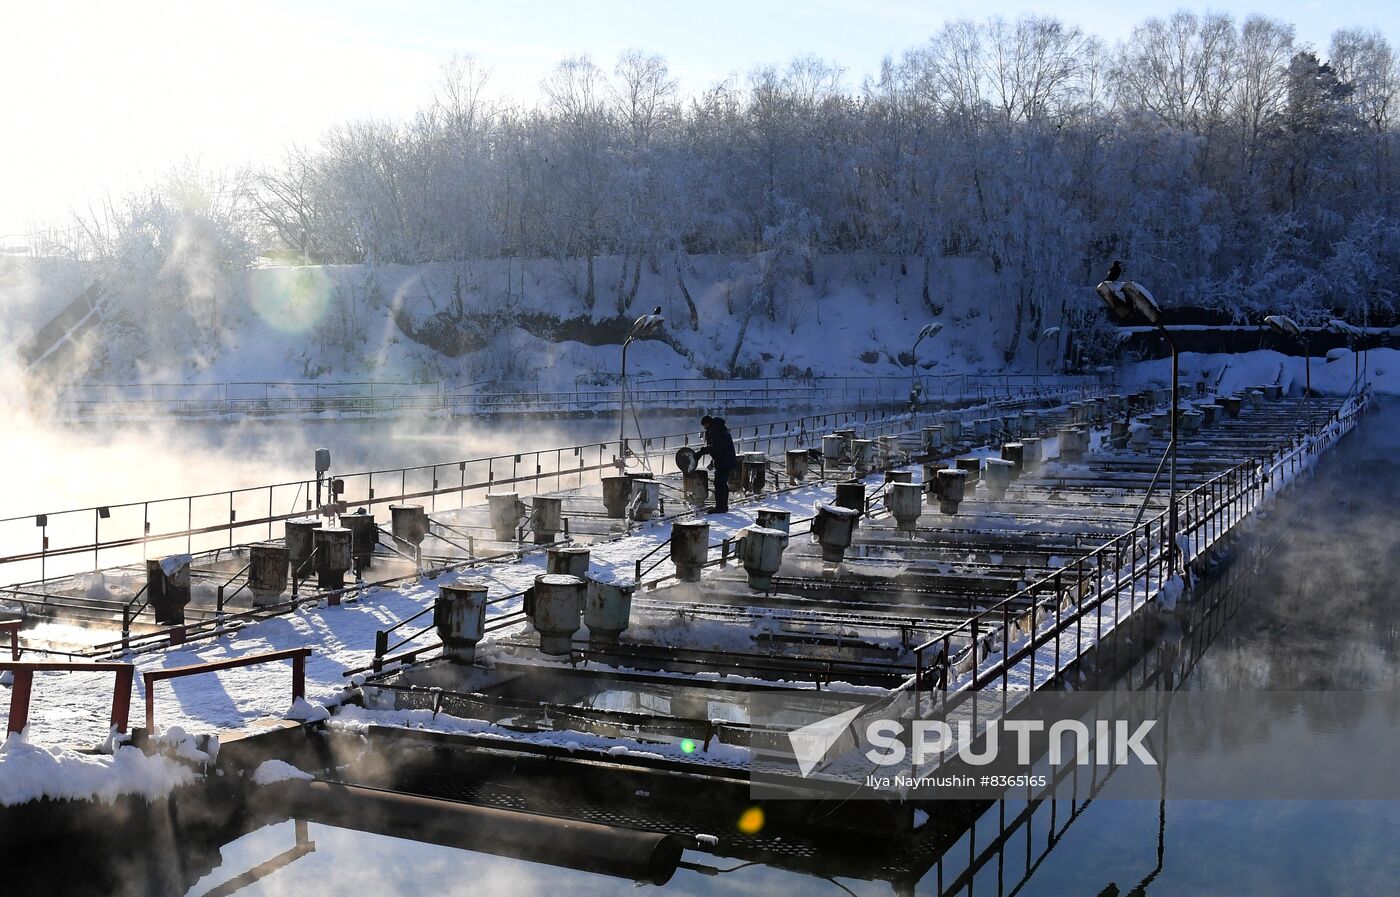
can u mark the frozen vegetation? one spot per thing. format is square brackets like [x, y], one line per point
[783, 219]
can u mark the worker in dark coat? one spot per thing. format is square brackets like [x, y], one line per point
[719, 445]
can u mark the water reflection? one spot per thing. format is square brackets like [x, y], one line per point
[1322, 617]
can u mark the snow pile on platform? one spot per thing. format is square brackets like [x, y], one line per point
[277, 771]
[305, 711]
[1228, 373]
[198, 750]
[29, 772]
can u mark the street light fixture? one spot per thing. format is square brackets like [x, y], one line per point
[1040, 343]
[928, 330]
[1123, 298]
[1352, 333]
[643, 328]
[1289, 327]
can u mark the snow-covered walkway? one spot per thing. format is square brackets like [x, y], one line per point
[73, 708]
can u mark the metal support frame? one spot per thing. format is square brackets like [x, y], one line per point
[296, 655]
[21, 688]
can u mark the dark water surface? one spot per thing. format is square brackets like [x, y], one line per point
[1322, 616]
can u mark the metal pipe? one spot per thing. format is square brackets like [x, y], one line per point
[590, 847]
[622, 410]
[1172, 444]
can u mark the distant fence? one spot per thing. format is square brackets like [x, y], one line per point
[352, 399]
[40, 546]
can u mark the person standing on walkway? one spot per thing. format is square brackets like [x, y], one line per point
[719, 445]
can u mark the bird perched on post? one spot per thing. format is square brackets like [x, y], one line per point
[1116, 272]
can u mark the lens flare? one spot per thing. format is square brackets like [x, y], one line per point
[291, 300]
[751, 821]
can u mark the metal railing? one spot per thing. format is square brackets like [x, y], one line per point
[127, 533]
[297, 656]
[369, 398]
[987, 647]
[22, 686]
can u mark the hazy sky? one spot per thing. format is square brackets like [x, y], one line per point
[99, 96]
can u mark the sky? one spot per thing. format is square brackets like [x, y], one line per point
[98, 97]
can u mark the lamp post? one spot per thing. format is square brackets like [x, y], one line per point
[642, 328]
[1039, 343]
[1352, 333]
[1289, 327]
[1123, 298]
[925, 332]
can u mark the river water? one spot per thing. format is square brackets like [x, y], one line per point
[1322, 616]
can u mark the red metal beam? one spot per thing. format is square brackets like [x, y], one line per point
[296, 655]
[23, 685]
[12, 627]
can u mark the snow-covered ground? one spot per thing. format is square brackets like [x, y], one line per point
[1234, 372]
[339, 322]
[73, 708]
[29, 772]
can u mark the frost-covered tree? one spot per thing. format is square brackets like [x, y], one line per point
[1215, 158]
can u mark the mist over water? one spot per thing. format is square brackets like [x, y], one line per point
[68, 466]
[133, 467]
[1321, 618]
[1324, 615]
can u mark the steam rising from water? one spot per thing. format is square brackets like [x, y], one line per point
[55, 466]
[1323, 613]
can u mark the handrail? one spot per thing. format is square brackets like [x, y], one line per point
[297, 656]
[1238, 482]
[129, 616]
[308, 562]
[402, 541]
[221, 597]
[312, 396]
[941, 644]
[841, 416]
[12, 627]
[469, 548]
[23, 683]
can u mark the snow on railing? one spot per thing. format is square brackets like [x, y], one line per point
[297, 656]
[988, 646]
[22, 686]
